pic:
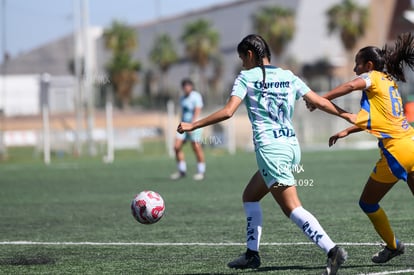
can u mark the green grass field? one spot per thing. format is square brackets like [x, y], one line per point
[87, 201]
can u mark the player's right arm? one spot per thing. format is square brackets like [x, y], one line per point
[344, 133]
[225, 113]
[357, 84]
[354, 85]
[327, 106]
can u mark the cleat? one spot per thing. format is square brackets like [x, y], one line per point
[244, 261]
[387, 254]
[198, 176]
[336, 257]
[177, 175]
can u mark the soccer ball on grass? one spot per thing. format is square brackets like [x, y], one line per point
[147, 207]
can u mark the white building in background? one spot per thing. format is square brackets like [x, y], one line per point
[19, 90]
[20, 76]
[232, 19]
[20, 94]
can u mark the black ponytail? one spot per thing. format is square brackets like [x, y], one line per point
[391, 59]
[260, 49]
[402, 53]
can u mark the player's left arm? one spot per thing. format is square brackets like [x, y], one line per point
[224, 113]
[344, 133]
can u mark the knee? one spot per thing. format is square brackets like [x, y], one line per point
[177, 147]
[367, 207]
[196, 146]
[246, 197]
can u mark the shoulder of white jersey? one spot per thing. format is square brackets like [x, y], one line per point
[196, 93]
[367, 78]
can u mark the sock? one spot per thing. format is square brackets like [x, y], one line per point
[254, 224]
[201, 167]
[382, 226]
[311, 228]
[182, 166]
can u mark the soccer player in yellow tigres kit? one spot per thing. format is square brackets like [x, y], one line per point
[382, 115]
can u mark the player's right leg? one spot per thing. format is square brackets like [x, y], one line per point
[255, 190]
[179, 157]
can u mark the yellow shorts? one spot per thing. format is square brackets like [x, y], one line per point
[397, 160]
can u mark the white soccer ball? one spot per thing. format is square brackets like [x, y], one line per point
[147, 207]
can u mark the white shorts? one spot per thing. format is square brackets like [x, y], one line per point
[193, 136]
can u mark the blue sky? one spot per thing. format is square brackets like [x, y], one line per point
[31, 23]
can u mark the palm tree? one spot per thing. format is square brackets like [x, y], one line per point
[276, 25]
[122, 41]
[350, 20]
[201, 44]
[163, 54]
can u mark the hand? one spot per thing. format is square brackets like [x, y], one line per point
[351, 118]
[185, 127]
[309, 105]
[334, 138]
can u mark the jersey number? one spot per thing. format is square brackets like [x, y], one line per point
[395, 102]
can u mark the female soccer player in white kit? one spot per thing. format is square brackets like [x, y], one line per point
[269, 94]
[191, 104]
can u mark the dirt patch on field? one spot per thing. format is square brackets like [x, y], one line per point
[28, 260]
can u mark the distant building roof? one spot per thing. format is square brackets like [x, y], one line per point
[53, 58]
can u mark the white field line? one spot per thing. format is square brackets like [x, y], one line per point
[402, 271]
[173, 244]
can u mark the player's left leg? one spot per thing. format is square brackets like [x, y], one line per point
[255, 190]
[179, 157]
[372, 194]
[201, 163]
[196, 144]
[410, 181]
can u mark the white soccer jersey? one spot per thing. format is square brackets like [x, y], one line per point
[188, 105]
[270, 108]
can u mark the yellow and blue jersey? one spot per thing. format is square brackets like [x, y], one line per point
[381, 111]
[382, 115]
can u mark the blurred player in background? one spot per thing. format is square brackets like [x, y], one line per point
[191, 104]
[382, 115]
[269, 94]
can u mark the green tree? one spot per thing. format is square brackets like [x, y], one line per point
[163, 55]
[350, 20]
[276, 25]
[201, 44]
[121, 40]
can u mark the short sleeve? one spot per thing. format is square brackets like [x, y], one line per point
[198, 100]
[300, 87]
[367, 78]
[239, 87]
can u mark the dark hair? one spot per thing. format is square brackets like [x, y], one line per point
[186, 81]
[258, 46]
[391, 59]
